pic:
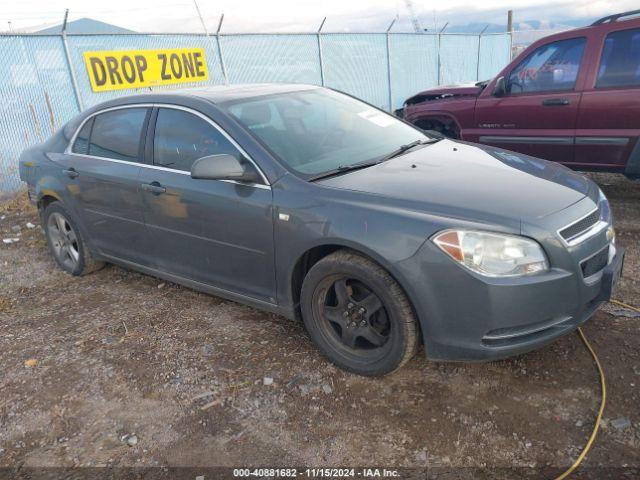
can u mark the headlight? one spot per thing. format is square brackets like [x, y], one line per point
[493, 254]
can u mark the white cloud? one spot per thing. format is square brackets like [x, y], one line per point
[297, 15]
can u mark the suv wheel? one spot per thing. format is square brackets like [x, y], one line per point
[66, 242]
[358, 315]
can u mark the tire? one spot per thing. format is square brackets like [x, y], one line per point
[66, 243]
[364, 334]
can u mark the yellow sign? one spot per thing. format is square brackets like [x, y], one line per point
[116, 70]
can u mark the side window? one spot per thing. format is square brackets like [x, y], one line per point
[116, 134]
[550, 67]
[81, 145]
[181, 138]
[620, 60]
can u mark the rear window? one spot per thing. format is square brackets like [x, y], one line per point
[116, 134]
[81, 145]
[620, 60]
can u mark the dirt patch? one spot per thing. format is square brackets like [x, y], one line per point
[117, 354]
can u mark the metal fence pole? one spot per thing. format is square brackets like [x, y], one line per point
[72, 73]
[389, 66]
[479, 44]
[223, 67]
[206, 32]
[510, 30]
[439, 60]
[439, 74]
[511, 46]
[320, 59]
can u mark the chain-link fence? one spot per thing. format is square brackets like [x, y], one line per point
[44, 80]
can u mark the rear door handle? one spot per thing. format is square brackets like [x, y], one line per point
[153, 187]
[556, 102]
[70, 172]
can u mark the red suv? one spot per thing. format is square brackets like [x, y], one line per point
[572, 97]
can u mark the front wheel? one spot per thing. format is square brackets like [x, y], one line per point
[358, 315]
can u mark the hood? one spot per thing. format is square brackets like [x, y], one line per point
[446, 91]
[477, 183]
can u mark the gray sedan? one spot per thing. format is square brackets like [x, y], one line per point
[312, 204]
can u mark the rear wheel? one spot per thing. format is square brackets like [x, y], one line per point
[66, 242]
[358, 315]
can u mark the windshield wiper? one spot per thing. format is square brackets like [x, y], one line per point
[357, 166]
[343, 169]
[405, 148]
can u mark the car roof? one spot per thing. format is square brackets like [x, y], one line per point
[214, 94]
[224, 93]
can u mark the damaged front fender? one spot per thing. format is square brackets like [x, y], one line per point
[446, 92]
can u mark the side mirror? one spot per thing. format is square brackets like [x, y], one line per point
[224, 167]
[500, 90]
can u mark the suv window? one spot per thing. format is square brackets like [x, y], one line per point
[116, 134]
[81, 145]
[620, 60]
[550, 67]
[181, 138]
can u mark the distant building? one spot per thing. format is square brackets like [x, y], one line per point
[86, 25]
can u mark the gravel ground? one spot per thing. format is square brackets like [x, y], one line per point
[121, 369]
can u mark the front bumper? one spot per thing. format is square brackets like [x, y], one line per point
[466, 317]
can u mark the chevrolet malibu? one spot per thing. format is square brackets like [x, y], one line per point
[312, 204]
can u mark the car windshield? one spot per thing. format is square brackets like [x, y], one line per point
[317, 131]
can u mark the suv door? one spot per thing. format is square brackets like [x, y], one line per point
[212, 231]
[608, 125]
[537, 114]
[102, 167]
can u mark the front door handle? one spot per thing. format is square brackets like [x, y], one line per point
[556, 102]
[153, 187]
[71, 172]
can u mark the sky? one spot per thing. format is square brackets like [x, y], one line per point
[301, 15]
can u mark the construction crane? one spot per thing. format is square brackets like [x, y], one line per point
[414, 18]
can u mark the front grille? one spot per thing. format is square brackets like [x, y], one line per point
[581, 225]
[593, 265]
